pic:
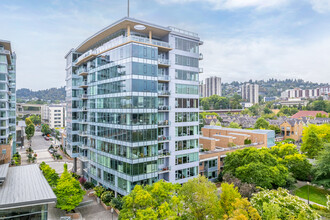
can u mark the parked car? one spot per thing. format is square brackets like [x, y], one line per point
[46, 138]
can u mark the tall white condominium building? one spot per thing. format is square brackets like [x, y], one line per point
[7, 101]
[250, 92]
[132, 105]
[56, 116]
[212, 86]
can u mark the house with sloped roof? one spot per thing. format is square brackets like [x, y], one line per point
[302, 114]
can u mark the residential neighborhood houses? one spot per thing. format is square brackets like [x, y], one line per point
[142, 131]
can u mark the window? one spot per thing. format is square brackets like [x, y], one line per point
[186, 45]
[186, 131]
[186, 89]
[186, 61]
[186, 158]
[186, 75]
[185, 173]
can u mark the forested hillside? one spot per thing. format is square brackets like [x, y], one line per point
[52, 94]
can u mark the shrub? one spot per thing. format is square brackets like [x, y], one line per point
[76, 176]
[88, 185]
[117, 203]
[247, 141]
[99, 190]
[82, 180]
[60, 157]
[107, 197]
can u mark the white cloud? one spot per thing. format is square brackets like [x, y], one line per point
[232, 4]
[239, 59]
[320, 6]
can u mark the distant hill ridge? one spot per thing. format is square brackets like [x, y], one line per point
[52, 94]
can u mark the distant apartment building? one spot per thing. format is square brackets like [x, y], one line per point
[269, 99]
[217, 141]
[250, 92]
[132, 103]
[294, 102]
[305, 93]
[54, 115]
[212, 86]
[7, 102]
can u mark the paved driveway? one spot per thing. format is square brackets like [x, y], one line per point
[40, 147]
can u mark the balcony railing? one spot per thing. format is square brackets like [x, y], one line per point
[164, 123]
[164, 169]
[83, 96]
[164, 153]
[117, 41]
[83, 133]
[164, 93]
[200, 70]
[83, 83]
[163, 61]
[164, 77]
[164, 108]
[164, 138]
[5, 51]
[200, 56]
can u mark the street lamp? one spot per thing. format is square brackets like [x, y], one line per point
[308, 192]
[111, 213]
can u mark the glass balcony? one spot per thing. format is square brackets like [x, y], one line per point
[164, 138]
[164, 153]
[164, 108]
[164, 123]
[83, 96]
[164, 93]
[200, 70]
[164, 62]
[200, 56]
[164, 169]
[115, 42]
[164, 78]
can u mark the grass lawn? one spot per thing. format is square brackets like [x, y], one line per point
[315, 194]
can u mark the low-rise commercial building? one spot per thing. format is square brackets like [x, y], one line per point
[217, 141]
[24, 193]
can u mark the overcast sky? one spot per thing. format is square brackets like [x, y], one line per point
[243, 39]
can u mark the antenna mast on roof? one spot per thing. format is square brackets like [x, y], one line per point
[127, 8]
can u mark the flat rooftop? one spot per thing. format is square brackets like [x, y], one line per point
[238, 129]
[24, 186]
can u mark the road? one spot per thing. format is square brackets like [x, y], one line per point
[40, 147]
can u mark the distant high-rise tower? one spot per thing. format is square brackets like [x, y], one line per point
[211, 87]
[7, 102]
[250, 92]
[132, 105]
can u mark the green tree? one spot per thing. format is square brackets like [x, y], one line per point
[282, 204]
[275, 128]
[68, 191]
[29, 131]
[267, 110]
[228, 196]
[157, 201]
[28, 121]
[284, 150]
[36, 119]
[322, 168]
[261, 123]
[200, 199]
[50, 174]
[312, 144]
[234, 125]
[298, 165]
[243, 210]
[257, 166]
[45, 129]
